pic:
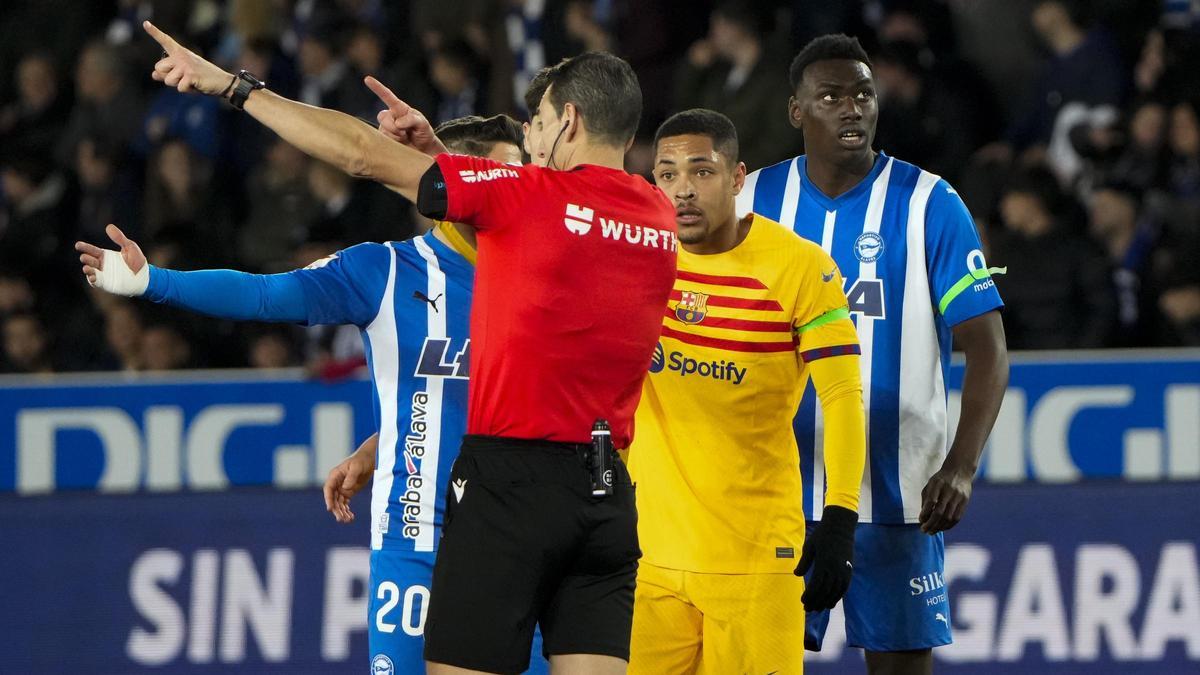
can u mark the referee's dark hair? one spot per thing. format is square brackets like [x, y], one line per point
[605, 91]
[702, 122]
[837, 46]
[477, 136]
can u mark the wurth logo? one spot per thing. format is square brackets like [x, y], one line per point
[579, 219]
[469, 176]
[638, 235]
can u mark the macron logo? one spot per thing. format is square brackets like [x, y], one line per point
[469, 176]
[579, 219]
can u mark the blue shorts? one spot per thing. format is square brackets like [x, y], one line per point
[397, 606]
[897, 599]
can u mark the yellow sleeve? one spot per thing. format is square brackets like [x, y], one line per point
[822, 319]
[839, 390]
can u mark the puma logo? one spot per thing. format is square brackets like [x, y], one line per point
[424, 298]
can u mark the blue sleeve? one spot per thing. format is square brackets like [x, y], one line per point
[336, 290]
[229, 295]
[959, 278]
[348, 286]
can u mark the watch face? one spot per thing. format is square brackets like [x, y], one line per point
[253, 81]
[246, 83]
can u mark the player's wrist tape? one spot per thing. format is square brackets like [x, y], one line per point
[115, 276]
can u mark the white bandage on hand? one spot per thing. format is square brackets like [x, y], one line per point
[116, 277]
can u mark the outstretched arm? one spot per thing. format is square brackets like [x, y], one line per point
[221, 293]
[329, 135]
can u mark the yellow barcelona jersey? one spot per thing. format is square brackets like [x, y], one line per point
[714, 458]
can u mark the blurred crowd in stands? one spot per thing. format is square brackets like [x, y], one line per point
[1070, 128]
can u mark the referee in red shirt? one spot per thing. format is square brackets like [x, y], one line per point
[576, 262]
[575, 265]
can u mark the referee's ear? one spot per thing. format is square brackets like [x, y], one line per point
[570, 121]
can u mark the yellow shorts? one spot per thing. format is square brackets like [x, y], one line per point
[690, 622]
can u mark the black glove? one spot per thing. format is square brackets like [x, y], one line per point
[829, 551]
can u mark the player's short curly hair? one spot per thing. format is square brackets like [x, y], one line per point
[477, 136]
[702, 122]
[837, 46]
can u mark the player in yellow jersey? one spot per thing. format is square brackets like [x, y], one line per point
[756, 312]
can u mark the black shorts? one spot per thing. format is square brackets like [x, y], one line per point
[526, 543]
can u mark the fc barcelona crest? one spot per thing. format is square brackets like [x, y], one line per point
[691, 308]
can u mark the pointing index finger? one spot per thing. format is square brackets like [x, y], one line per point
[392, 101]
[168, 43]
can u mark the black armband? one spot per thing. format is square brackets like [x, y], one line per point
[432, 201]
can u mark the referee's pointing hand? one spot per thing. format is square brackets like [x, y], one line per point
[185, 70]
[403, 123]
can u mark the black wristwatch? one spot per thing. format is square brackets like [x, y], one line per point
[244, 84]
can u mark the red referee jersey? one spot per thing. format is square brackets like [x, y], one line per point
[574, 270]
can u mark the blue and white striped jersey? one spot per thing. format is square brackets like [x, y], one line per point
[412, 301]
[913, 266]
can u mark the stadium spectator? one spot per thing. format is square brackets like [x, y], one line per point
[1134, 156]
[730, 72]
[106, 104]
[123, 333]
[1180, 299]
[1166, 65]
[1082, 83]
[107, 190]
[281, 213]
[920, 121]
[30, 226]
[455, 76]
[1130, 240]
[273, 347]
[179, 186]
[584, 24]
[927, 26]
[1181, 304]
[248, 23]
[366, 54]
[26, 344]
[33, 122]
[175, 115]
[164, 348]
[345, 209]
[531, 35]
[16, 295]
[244, 144]
[1183, 170]
[323, 73]
[1057, 292]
